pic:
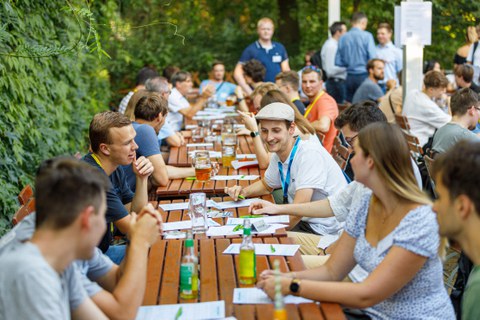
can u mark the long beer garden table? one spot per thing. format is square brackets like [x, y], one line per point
[183, 187]
[219, 276]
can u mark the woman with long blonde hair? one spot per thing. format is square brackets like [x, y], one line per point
[391, 232]
[471, 37]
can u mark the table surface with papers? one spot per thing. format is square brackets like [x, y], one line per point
[179, 156]
[218, 278]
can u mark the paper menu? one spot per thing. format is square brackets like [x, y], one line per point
[234, 177]
[271, 219]
[212, 154]
[258, 296]
[228, 230]
[186, 224]
[262, 249]
[210, 203]
[327, 240]
[192, 145]
[245, 156]
[183, 311]
[242, 164]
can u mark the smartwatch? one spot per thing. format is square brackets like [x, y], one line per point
[254, 134]
[295, 286]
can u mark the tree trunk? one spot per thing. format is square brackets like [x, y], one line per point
[288, 29]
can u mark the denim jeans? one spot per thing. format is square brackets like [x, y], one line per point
[116, 253]
[352, 83]
[336, 88]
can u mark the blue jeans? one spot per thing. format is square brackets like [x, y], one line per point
[352, 83]
[336, 88]
[116, 253]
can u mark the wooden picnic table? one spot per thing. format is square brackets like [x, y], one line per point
[218, 278]
[182, 215]
[181, 188]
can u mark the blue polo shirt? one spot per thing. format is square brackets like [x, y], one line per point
[271, 58]
[222, 89]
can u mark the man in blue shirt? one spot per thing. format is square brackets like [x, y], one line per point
[271, 54]
[391, 55]
[355, 48]
[222, 88]
[370, 89]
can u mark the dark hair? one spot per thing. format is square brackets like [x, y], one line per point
[65, 186]
[150, 105]
[359, 115]
[458, 169]
[429, 65]
[288, 77]
[255, 70]
[169, 71]
[144, 74]
[385, 25]
[216, 63]
[371, 63]
[310, 69]
[465, 71]
[435, 79]
[336, 27]
[99, 130]
[463, 100]
[357, 16]
[180, 76]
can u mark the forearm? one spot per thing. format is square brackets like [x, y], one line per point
[240, 79]
[320, 126]
[179, 173]
[316, 209]
[160, 177]
[194, 108]
[259, 188]
[140, 198]
[263, 156]
[174, 140]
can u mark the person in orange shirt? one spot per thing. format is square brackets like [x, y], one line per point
[322, 110]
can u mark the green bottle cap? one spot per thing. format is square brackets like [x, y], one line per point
[188, 243]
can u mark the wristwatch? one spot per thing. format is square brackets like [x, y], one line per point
[295, 286]
[254, 134]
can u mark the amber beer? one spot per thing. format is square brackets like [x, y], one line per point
[230, 101]
[203, 173]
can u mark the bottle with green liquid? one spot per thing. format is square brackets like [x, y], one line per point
[189, 271]
[248, 261]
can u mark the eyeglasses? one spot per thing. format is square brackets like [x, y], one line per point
[349, 140]
[312, 67]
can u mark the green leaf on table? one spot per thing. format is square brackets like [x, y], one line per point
[179, 313]
[272, 248]
[238, 227]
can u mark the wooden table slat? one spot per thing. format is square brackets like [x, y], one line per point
[208, 271]
[169, 288]
[226, 275]
[153, 278]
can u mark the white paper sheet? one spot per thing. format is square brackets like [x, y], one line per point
[192, 145]
[257, 296]
[190, 311]
[235, 204]
[184, 205]
[234, 177]
[212, 154]
[241, 164]
[191, 126]
[251, 156]
[270, 219]
[327, 240]
[262, 249]
[186, 224]
[228, 230]
[210, 117]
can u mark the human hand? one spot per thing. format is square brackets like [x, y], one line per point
[391, 84]
[145, 228]
[242, 132]
[208, 91]
[182, 138]
[268, 285]
[249, 121]
[142, 167]
[263, 207]
[149, 209]
[234, 192]
[239, 92]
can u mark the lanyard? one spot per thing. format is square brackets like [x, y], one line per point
[94, 156]
[286, 181]
[310, 106]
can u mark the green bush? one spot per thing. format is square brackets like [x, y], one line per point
[50, 85]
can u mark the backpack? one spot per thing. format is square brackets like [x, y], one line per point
[316, 60]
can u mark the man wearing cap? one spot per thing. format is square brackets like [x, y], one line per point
[291, 167]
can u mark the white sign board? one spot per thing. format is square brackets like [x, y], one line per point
[397, 27]
[416, 22]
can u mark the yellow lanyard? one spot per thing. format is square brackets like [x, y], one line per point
[310, 106]
[94, 156]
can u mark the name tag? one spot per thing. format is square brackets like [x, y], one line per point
[277, 59]
[384, 244]
[259, 225]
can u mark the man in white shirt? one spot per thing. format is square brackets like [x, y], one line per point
[391, 55]
[424, 115]
[336, 76]
[290, 168]
[178, 103]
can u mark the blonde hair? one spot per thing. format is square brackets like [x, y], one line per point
[277, 95]
[387, 146]
[263, 88]
[132, 103]
[471, 35]
[265, 20]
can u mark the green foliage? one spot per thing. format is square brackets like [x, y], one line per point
[49, 88]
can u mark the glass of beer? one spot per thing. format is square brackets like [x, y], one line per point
[229, 147]
[203, 166]
[198, 134]
[231, 99]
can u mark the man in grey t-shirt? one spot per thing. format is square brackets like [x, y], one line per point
[369, 89]
[465, 108]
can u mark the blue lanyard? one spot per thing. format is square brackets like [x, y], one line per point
[286, 181]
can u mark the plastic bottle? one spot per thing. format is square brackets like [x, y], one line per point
[280, 313]
[248, 261]
[189, 271]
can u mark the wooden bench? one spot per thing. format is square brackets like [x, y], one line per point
[24, 211]
[25, 194]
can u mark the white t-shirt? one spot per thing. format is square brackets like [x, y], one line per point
[312, 168]
[176, 102]
[424, 115]
[474, 58]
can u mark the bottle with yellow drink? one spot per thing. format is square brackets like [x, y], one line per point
[248, 260]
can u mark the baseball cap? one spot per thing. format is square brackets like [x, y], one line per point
[276, 111]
